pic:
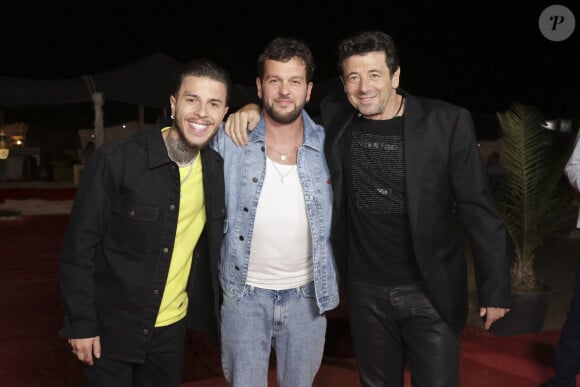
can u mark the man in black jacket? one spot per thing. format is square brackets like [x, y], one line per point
[142, 246]
[403, 169]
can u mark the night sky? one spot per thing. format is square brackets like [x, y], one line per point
[482, 55]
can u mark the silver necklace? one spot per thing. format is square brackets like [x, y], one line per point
[282, 174]
[284, 155]
[188, 171]
[188, 174]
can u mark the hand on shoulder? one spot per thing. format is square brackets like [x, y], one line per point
[240, 122]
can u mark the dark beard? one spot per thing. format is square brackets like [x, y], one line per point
[284, 119]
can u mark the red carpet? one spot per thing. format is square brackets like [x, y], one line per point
[31, 353]
[37, 193]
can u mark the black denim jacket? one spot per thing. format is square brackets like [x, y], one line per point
[119, 242]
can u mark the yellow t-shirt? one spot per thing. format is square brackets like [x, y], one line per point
[190, 223]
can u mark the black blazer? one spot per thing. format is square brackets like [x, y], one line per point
[445, 177]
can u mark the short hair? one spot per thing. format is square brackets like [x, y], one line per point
[365, 42]
[284, 49]
[205, 68]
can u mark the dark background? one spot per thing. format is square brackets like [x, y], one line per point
[483, 55]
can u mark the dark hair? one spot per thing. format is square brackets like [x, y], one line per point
[284, 49]
[365, 42]
[204, 68]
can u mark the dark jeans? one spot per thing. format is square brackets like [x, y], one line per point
[397, 326]
[162, 367]
[568, 347]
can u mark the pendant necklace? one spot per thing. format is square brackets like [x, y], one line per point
[281, 174]
[284, 155]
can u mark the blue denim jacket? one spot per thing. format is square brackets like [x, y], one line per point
[244, 172]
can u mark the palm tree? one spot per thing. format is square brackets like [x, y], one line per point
[533, 196]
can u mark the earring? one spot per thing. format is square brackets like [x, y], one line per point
[172, 116]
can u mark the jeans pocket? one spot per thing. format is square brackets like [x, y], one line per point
[308, 290]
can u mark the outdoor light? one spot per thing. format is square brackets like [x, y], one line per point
[17, 140]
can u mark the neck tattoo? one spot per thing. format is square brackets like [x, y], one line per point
[180, 151]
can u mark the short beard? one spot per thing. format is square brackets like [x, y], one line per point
[284, 119]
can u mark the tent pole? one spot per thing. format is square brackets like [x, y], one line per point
[99, 125]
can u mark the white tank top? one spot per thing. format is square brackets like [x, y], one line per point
[281, 250]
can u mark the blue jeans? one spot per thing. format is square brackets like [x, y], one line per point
[286, 320]
[568, 347]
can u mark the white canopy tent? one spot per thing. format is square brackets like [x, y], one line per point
[145, 83]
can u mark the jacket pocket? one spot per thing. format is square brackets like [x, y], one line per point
[133, 228]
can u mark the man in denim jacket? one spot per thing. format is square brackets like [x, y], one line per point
[277, 271]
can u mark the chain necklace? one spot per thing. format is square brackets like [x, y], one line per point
[176, 151]
[400, 106]
[280, 173]
[188, 171]
[186, 176]
[284, 155]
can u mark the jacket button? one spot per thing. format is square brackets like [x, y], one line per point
[172, 207]
[223, 211]
[241, 237]
[246, 209]
[145, 331]
[132, 212]
[255, 179]
[165, 250]
[155, 291]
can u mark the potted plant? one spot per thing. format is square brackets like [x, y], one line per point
[533, 198]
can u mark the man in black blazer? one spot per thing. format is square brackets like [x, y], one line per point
[408, 179]
[408, 183]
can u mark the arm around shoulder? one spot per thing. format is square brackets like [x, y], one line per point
[240, 122]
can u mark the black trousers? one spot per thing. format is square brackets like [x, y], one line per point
[162, 367]
[394, 327]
